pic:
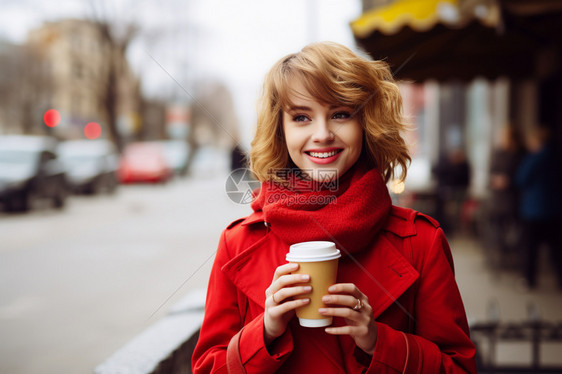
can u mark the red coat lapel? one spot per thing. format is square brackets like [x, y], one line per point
[382, 273]
[252, 269]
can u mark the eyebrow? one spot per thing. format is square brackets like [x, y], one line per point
[295, 108]
[305, 108]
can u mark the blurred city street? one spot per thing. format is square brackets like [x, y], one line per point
[77, 285]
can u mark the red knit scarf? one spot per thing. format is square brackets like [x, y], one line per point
[349, 211]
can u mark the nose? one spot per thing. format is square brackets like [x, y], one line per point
[322, 133]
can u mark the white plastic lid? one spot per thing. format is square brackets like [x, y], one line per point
[313, 252]
[315, 322]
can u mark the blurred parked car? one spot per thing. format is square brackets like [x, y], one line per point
[144, 162]
[91, 165]
[176, 153]
[30, 171]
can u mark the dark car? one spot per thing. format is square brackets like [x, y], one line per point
[91, 165]
[30, 172]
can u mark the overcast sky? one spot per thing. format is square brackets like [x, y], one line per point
[234, 41]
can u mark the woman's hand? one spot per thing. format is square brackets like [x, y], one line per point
[279, 303]
[347, 301]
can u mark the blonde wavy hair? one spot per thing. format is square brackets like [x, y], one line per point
[333, 75]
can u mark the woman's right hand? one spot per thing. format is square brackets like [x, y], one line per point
[279, 303]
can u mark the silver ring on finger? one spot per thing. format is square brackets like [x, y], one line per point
[358, 306]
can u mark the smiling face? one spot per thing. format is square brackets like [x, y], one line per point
[324, 141]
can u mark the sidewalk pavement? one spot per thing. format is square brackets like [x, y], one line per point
[482, 286]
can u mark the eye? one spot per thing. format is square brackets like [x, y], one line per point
[342, 115]
[300, 118]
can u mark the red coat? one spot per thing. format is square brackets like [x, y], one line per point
[407, 275]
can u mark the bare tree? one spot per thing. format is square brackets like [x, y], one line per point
[117, 33]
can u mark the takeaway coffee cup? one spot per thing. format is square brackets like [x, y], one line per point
[320, 260]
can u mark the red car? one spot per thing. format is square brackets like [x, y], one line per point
[144, 162]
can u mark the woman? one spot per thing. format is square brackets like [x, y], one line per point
[328, 139]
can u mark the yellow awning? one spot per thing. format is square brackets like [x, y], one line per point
[454, 39]
[420, 15]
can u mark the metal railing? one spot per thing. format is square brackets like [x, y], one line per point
[489, 335]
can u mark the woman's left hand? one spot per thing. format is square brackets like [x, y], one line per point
[348, 302]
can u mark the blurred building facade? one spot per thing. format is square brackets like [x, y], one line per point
[213, 119]
[9, 57]
[75, 60]
[25, 88]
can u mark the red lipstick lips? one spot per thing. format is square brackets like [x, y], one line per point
[324, 156]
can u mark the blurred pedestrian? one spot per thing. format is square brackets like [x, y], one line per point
[452, 174]
[328, 139]
[237, 158]
[540, 205]
[503, 201]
